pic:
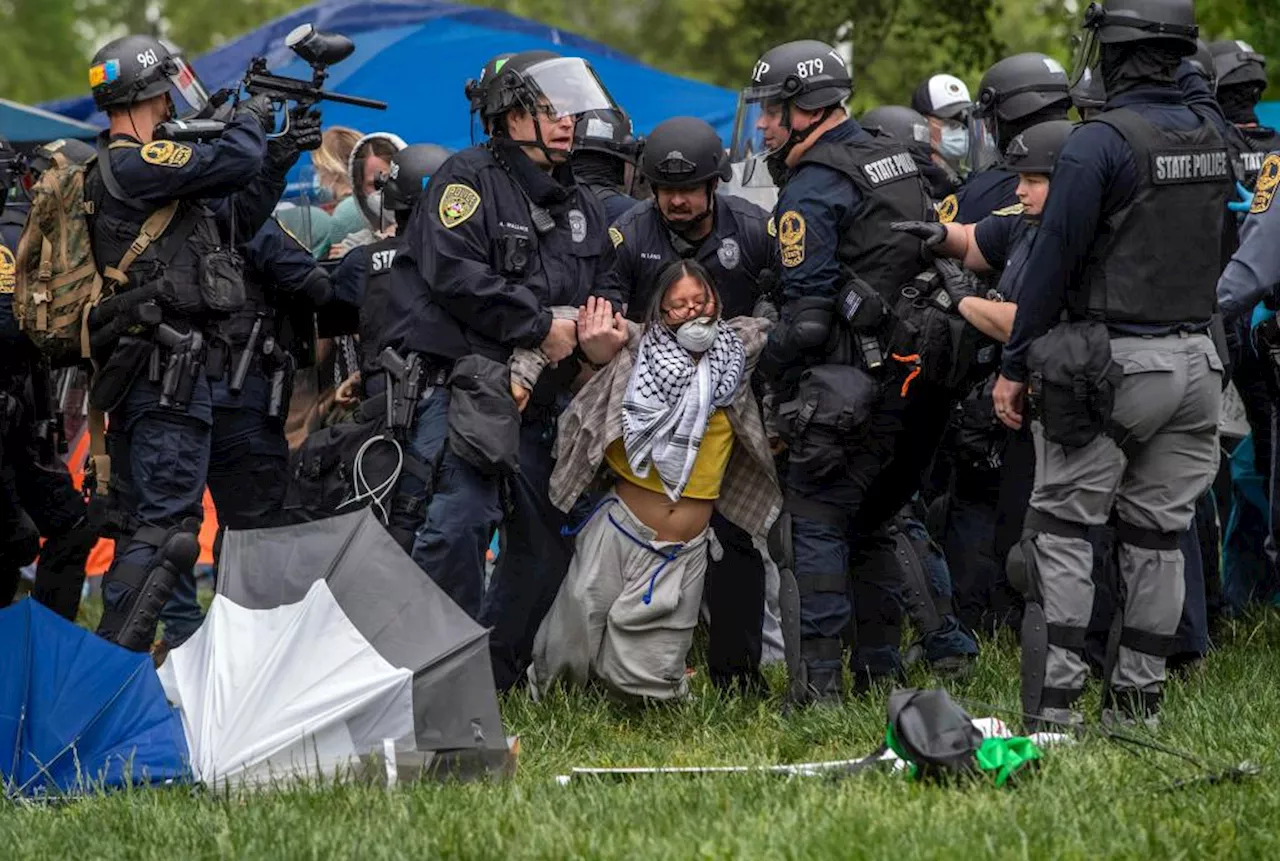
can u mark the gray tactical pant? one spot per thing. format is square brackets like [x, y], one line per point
[1168, 401]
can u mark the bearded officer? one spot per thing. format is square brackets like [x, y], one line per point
[1110, 255]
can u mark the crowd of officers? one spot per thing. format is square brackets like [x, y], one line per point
[988, 319]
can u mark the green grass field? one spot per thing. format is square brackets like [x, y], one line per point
[1093, 800]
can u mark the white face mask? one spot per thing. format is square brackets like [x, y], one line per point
[698, 335]
[954, 143]
[379, 219]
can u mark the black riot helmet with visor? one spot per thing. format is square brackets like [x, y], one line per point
[133, 69]
[606, 131]
[540, 83]
[909, 126]
[808, 74]
[1167, 23]
[1014, 94]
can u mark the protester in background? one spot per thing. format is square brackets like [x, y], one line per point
[331, 180]
[945, 102]
[674, 419]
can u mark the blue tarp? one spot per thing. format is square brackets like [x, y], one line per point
[78, 713]
[416, 56]
[25, 124]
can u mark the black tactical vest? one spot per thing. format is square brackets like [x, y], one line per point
[892, 189]
[1156, 260]
[375, 308]
[175, 256]
[1249, 146]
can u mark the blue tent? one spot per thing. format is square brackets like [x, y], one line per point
[78, 713]
[417, 54]
[25, 124]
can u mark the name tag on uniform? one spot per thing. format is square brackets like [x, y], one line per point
[890, 168]
[1169, 168]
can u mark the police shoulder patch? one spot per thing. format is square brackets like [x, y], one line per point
[1268, 179]
[1015, 209]
[616, 235]
[457, 204]
[8, 270]
[166, 153]
[948, 208]
[791, 238]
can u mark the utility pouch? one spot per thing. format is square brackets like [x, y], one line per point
[222, 281]
[484, 422]
[828, 413]
[1073, 382]
[112, 382]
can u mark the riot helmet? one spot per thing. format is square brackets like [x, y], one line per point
[1015, 93]
[476, 88]
[540, 83]
[685, 153]
[605, 131]
[1170, 24]
[1036, 149]
[133, 69]
[808, 74]
[370, 158]
[908, 126]
[1235, 62]
[407, 176]
[1088, 94]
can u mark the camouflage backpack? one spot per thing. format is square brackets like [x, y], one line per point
[58, 281]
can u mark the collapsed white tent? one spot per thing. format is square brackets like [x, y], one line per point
[292, 690]
[325, 643]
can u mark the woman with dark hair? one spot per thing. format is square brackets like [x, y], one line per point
[672, 424]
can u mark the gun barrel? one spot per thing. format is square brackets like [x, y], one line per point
[357, 101]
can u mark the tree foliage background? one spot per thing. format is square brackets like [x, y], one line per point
[896, 43]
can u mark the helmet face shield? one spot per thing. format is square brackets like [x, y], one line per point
[758, 127]
[187, 83]
[566, 87]
[1086, 56]
[984, 141]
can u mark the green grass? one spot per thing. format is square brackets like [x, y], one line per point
[1088, 801]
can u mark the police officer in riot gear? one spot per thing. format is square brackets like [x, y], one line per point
[154, 383]
[604, 158]
[1015, 94]
[1129, 188]
[1241, 74]
[945, 103]
[37, 497]
[684, 162]
[844, 190]
[250, 362]
[503, 236]
[911, 128]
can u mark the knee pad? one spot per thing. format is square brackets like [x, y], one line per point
[780, 542]
[133, 625]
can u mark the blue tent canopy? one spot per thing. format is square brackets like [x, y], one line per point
[417, 54]
[78, 713]
[24, 124]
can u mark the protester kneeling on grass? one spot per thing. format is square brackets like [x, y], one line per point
[673, 420]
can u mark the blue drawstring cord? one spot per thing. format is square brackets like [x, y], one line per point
[667, 558]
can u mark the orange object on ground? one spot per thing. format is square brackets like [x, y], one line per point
[100, 556]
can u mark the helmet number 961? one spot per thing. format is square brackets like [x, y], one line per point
[147, 58]
[809, 68]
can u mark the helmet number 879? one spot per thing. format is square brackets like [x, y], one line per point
[808, 68]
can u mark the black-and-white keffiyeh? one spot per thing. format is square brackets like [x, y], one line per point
[670, 398]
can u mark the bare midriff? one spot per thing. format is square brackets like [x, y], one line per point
[682, 520]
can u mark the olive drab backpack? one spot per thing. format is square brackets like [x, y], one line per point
[58, 281]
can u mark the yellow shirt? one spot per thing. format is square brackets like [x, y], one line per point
[708, 469]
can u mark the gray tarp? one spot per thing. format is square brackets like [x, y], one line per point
[400, 610]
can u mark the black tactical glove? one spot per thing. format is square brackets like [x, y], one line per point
[303, 134]
[765, 308]
[959, 283]
[260, 108]
[931, 232]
